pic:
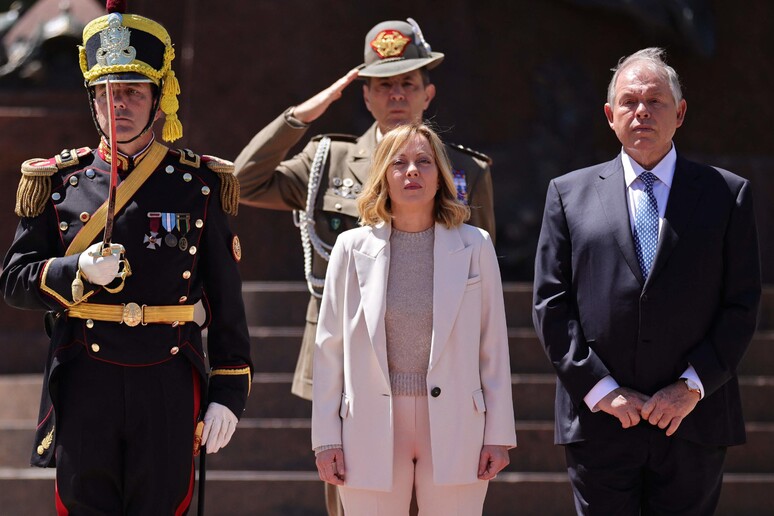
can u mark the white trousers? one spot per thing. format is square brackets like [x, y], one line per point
[413, 470]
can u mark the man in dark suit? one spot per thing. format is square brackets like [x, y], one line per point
[647, 284]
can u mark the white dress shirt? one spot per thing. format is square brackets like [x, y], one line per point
[635, 188]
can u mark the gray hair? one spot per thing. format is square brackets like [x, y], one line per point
[653, 58]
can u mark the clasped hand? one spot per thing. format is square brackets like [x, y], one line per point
[666, 408]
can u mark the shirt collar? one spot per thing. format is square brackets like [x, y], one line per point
[664, 170]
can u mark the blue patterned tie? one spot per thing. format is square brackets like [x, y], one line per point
[646, 225]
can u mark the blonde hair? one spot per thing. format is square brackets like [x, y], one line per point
[374, 203]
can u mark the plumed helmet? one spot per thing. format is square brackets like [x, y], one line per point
[131, 48]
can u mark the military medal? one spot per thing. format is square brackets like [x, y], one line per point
[183, 225]
[461, 184]
[152, 239]
[168, 220]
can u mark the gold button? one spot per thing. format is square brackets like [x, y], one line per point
[169, 169]
[174, 350]
[192, 249]
[183, 299]
[199, 223]
[95, 347]
[63, 226]
[74, 180]
[187, 177]
[337, 206]
[85, 216]
[206, 190]
[90, 324]
[186, 274]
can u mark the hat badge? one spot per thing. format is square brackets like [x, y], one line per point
[390, 43]
[114, 43]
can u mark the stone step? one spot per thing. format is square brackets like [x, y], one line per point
[533, 396]
[270, 303]
[284, 444]
[275, 349]
[284, 303]
[28, 491]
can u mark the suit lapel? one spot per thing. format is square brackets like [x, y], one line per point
[372, 262]
[681, 204]
[450, 274]
[611, 188]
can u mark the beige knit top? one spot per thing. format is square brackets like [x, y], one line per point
[409, 310]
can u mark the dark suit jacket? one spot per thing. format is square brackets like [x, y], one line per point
[699, 305]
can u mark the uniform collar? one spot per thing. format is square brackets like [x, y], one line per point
[125, 163]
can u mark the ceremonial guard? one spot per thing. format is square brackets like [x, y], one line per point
[120, 245]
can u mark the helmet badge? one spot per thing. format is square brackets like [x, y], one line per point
[390, 43]
[114, 43]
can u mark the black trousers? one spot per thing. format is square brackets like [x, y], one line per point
[125, 437]
[643, 472]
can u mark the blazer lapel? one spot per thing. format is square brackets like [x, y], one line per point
[372, 262]
[450, 275]
[611, 188]
[683, 197]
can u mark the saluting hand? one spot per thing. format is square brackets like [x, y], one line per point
[625, 404]
[330, 466]
[219, 426]
[492, 460]
[669, 406]
[312, 109]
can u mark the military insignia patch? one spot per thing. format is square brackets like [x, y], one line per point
[236, 249]
[390, 43]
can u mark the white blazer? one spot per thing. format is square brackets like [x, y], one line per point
[352, 400]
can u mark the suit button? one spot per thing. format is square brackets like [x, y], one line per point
[95, 347]
[435, 392]
[174, 350]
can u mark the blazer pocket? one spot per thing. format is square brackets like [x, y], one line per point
[344, 409]
[478, 401]
[473, 283]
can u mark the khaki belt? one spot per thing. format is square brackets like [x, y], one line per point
[133, 314]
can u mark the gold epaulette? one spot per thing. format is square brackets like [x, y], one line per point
[467, 150]
[229, 186]
[35, 184]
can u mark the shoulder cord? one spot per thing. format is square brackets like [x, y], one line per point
[304, 220]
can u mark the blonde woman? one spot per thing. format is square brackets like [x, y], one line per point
[412, 379]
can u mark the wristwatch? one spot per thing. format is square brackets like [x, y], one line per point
[692, 386]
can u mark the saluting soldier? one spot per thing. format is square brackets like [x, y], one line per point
[322, 182]
[126, 379]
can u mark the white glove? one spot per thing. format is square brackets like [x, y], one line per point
[219, 426]
[98, 269]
